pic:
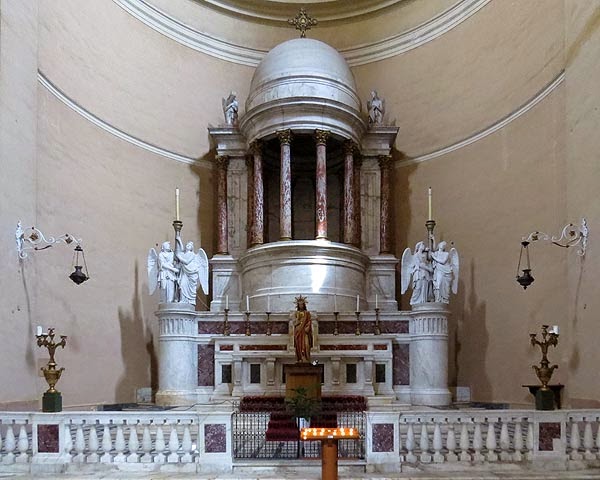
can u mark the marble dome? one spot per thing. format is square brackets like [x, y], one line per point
[303, 84]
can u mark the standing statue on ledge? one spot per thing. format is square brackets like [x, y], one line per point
[230, 109]
[418, 268]
[193, 269]
[162, 272]
[303, 335]
[376, 109]
[445, 272]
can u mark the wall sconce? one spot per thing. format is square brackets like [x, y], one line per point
[34, 239]
[570, 236]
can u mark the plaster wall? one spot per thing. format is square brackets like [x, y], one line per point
[18, 182]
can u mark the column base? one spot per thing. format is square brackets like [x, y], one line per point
[431, 397]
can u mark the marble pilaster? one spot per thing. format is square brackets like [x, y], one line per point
[371, 204]
[285, 186]
[237, 198]
[222, 227]
[358, 204]
[384, 208]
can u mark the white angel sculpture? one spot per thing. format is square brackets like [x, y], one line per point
[446, 266]
[230, 109]
[376, 109]
[193, 269]
[162, 272]
[418, 268]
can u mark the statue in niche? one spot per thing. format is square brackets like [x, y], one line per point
[445, 272]
[162, 272]
[230, 109]
[193, 269]
[419, 268]
[303, 334]
[376, 109]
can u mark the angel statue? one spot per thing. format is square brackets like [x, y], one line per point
[162, 272]
[376, 109]
[230, 109]
[445, 272]
[193, 269]
[418, 267]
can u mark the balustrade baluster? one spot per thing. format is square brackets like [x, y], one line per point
[68, 442]
[517, 455]
[437, 444]
[464, 443]
[146, 445]
[477, 443]
[1, 456]
[588, 440]
[505, 455]
[425, 456]
[93, 445]
[120, 445]
[186, 445]
[575, 441]
[491, 442]
[410, 444]
[598, 439]
[10, 445]
[106, 446]
[134, 445]
[451, 444]
[402, 457]
[160, 445]
[173, 445]
[23, 446]
[530, 442]
[79, 445]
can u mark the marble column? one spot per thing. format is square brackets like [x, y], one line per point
[250, 199]
[349, 194]
[257, 223]
[357, 207]
[285, 186]
[321, 183]
[222, 227]
[385, 162]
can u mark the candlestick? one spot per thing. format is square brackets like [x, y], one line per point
[247, 303]
[429, 198]
[177, 204]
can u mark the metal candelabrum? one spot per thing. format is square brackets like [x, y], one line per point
[544, 371]
[52, 399]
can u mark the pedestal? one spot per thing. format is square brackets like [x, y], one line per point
[544, 399]
[329, 459]
[303, 375]
[52, 402]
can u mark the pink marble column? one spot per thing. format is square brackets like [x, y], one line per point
[349, 224]
[257, 225]
[385, 163]
[357, 210]
[285, 186]
[321, 183]
[222, 227]
[250, 196]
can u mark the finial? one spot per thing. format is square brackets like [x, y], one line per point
[302, 22]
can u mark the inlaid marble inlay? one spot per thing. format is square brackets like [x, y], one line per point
[383, 437]
[215, 438]
[47, 438]
[401, 364]
[548, 432]
[206, 365]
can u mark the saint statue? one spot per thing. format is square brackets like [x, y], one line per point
[418, 268]
[230, 109]
[376, 109]
[303, 335]
[193, 270]
[162, 272]
[445, 272]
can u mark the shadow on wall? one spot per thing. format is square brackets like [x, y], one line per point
[471, 341]
[137, 349]
[29, 355]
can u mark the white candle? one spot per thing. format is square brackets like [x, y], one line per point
[429, 198]
[376, 301]
[177, 204]
[226, 302]
[555, 329]
[268, 303]
[358, 303]
[247, 303]
[38, 330]
[335, 303]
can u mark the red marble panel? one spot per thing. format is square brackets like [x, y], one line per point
[215, 438]
[263, 347]
[47, 437]
[206, 365]
[225, 348]
[344, 347]
[548, 432]
[383, 437]
[380, 346]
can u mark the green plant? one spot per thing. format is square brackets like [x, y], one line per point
[301, 404]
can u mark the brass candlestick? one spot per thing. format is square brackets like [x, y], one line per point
[248, 332]
[357, 332]
[544, 371]
[52, 399]
[226, 331]
[268, 323]
[335, 323]
[377, 326]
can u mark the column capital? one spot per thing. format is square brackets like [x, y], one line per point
[256, 147]
[350, 147]
[222, 161]
[285, 136]
[321, 136]
[385, 161]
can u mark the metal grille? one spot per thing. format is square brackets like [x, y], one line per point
[249, 439]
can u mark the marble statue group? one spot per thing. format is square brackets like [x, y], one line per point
[178, 273]
[432, 273]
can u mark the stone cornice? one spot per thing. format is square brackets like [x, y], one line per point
[355, 56]
[532, 102]
[48, 85]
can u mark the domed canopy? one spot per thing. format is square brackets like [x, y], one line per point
[303, 85]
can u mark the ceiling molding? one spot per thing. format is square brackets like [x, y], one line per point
[355, 56]
[48, 85]
[541, 95]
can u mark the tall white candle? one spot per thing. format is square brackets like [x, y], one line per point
[358, 303]
[177, 204]
[226, 302]
[555, 329]
[376, 301]
[335, 303]
[38, 330]
[268, 303]
[429, 202]
[247, 303]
